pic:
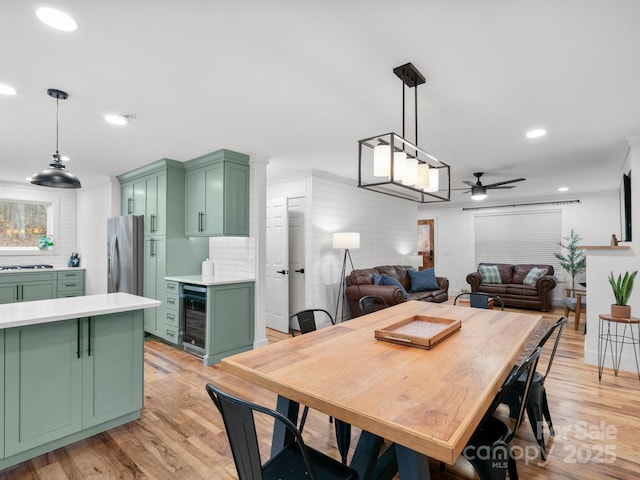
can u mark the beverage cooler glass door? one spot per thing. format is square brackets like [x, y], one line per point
[194, 315]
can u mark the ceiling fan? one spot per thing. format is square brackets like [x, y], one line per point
[479, 191]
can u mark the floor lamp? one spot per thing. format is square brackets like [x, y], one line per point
[347, 241]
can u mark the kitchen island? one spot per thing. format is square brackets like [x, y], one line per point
[70, 368]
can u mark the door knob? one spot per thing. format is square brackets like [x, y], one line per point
[299, 271]
[283, 272]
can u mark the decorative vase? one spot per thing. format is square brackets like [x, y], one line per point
[620, 311]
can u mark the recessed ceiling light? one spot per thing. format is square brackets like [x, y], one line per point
[563, 189]
[7, 90]
[56, 19]
[119, 119]
[536, 133]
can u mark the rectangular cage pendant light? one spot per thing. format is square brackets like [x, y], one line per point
[392, 165]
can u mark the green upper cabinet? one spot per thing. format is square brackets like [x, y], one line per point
[217, 194]
[157, 192]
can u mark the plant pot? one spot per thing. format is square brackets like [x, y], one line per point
[620, 311]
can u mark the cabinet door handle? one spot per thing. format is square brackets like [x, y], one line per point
[153, 223]
[129, 205]
[152, 246]
[283, 272]
[18, 293]
[78, 350]
[200, 222]
[89, 336]
[299, 271]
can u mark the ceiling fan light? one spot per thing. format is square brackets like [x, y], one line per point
[382, 161]
[478, 193]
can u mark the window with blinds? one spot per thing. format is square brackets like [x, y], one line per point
[519, 237]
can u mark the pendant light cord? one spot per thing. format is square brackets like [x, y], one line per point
[57, 121]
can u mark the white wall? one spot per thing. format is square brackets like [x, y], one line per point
[387, 226]
[95, 205]
[64, 232]
[600, 264]
[595, 218]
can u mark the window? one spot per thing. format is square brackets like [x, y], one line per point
[22, 224]
[523, 237]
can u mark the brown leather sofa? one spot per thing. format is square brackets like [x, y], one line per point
[360, 284]
[512, 291]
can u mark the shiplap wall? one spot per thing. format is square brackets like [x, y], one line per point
[64, 223]
[387, 226]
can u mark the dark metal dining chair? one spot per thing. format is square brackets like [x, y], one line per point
[371, 303]
[295, 461]
[489, 450]
[480, 299]
[536, 403]
[307, 321]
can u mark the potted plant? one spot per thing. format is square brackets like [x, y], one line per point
[575, 260]
[622, 287]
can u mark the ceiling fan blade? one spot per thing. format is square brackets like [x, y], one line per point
[503, 187]
[471, 184]
[505, 182]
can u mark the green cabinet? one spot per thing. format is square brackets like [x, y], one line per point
[217, 194]
[160, 190]
[39, 285]
[172, 311]
[230, 320]
[155, 252]
[27, 286]
[152, 191]
[42, 368]
[112, 369]
[70, 283]
[69, 379]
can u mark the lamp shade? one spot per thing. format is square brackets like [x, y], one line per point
[346, 240]
[382, 161]
[415, 260]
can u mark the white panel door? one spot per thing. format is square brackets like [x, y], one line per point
[277, 274]
[297, 210]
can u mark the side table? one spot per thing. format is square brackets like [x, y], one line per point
[610, 336]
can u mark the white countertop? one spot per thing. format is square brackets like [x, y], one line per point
[44, 311]
[40, 270]
[210, 280]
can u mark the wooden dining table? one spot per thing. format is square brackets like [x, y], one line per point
[426, 403]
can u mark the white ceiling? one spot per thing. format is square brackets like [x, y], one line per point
[300, 82]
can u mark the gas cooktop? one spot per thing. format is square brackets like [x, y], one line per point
[25, 267]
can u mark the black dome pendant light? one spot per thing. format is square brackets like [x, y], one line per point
[56, 174]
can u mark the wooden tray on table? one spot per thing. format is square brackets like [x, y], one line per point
[419, 331]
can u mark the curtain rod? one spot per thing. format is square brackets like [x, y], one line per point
[560, 202]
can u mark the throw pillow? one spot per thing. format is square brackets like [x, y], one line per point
[386, 280]
[423, 280]
[534, 274]
[489, 273]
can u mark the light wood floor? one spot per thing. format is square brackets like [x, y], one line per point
[180, 434]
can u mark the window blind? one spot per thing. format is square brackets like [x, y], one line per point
[519, 237]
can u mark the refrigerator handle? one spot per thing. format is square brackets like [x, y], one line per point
[115, 263]
[112, 286]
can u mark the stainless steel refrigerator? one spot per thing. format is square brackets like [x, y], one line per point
[125, 243]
